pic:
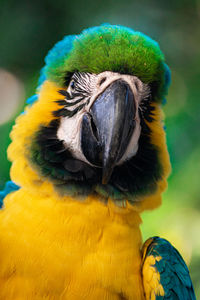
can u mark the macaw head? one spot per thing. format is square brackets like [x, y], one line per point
[96, 126]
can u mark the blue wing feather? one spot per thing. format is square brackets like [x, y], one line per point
[10, 186]
[174, 274]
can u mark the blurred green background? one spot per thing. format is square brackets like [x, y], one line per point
[29, 29]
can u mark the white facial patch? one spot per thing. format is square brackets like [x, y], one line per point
[89, 87]
[69, 132]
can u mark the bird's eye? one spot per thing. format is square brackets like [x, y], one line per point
[72, 85]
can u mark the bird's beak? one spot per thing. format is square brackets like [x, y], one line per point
[107, 128]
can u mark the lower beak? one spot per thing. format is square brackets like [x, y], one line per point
[108, 127]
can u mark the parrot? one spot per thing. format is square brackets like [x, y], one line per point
[89, 155]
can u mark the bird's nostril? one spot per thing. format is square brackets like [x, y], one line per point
[102, 80]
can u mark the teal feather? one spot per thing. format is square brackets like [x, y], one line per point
[32, 99]
[56, 56]
[174, 274]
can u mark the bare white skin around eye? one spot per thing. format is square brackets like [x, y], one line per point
[70, 127]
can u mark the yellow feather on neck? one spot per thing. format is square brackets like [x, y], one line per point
[82, 250]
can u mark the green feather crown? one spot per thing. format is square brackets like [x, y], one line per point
[109, 48]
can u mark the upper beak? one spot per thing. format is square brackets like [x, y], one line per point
[107, 128]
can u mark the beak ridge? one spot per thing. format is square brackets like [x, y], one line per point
[107, 129]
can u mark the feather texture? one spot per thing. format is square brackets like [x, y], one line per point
[58, 248]
[165, 274]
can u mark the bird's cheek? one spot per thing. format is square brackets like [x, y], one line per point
[69, 133]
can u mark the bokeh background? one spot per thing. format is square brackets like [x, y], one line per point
[28, 29]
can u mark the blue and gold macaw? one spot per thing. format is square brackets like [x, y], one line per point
[88, 156]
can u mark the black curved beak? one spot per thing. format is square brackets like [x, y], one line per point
[108, 127]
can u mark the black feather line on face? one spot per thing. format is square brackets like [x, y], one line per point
[79, 93]
[63, 112]
[65, 93]
[61, 102]
[136, 176]
[67, 104]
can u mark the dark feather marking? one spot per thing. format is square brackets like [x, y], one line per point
[65, 93]
[67, 104]
[63, 112]
[52, 142]
[77, 94]
[80, 91]
[61, 102]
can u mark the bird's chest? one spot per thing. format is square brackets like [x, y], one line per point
[72, 253]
